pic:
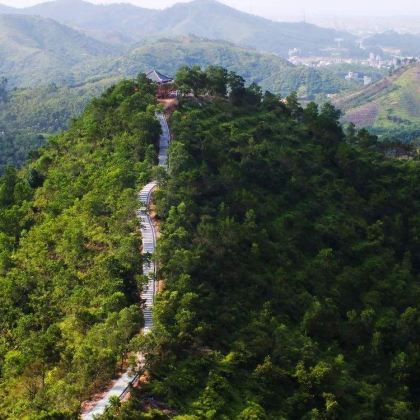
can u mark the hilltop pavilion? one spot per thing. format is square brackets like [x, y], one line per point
[165, 83]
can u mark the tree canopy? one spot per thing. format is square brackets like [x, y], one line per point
[70, 264]
[289, 251]
[290, 256]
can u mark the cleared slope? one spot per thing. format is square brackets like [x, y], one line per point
[391, 106]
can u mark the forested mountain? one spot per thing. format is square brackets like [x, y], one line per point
[70, 267]
[124, 17]
[125, 23]
[86, 14]
[103, 21]
[211, 19]
[35, 50]
[205, 18]
[290, 256]
[290, 267]
[390, 107]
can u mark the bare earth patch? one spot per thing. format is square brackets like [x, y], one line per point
[364, 116]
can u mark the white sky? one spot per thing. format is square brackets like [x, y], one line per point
[275, 9]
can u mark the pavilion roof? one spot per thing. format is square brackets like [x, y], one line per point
[157, 77]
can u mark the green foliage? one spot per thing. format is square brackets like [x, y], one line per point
[269, 71]
[289, 251]
[216, 81]
[190, 80]
[30, 116]
[70, 267]
[291, 259]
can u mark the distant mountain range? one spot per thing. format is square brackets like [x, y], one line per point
[388, 107]
[204, 18]
[126, 24]
[35, 50]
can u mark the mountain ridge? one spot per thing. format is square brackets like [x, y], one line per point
[205, 18]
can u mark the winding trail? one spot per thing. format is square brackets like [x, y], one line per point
[148, 233]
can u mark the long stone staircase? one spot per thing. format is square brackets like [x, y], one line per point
[148, 232]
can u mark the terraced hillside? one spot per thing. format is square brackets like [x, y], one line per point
[389, 107]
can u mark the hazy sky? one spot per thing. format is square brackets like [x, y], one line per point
[277, 8]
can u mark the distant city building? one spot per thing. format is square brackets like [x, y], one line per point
[374, 61]
[396, 62]
[352, 75]
[294, 52]
[367, 80]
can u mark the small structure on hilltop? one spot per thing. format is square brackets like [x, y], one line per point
[165, 84]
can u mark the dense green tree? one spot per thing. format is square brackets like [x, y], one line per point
[217, 80]
[69, 258]
[289, 250]
[237, 89]
[290, 255]
[190, 80]
[3, 89]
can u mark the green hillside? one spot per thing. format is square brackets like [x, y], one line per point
[391, 107]
[44, 110]
[70, 267]
[290, 268]
[291, 259]
[268, 70]
[36, 51]
[31, 115]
